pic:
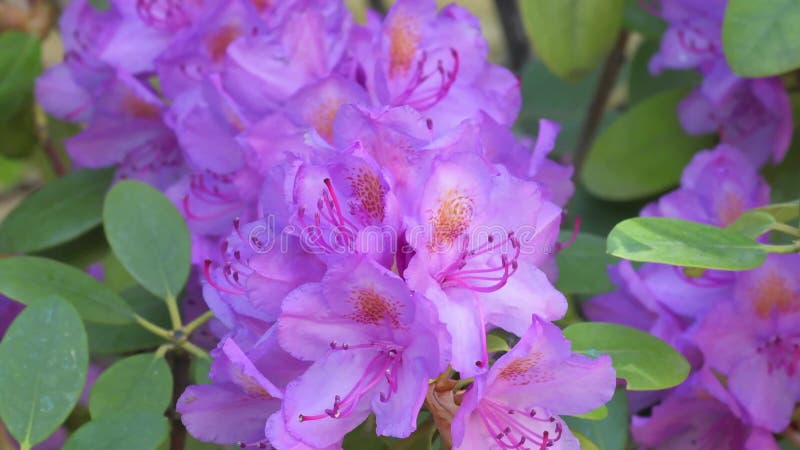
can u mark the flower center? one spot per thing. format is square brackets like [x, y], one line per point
[451, 219]
[403, 44]
[373, 309]
[370, 195]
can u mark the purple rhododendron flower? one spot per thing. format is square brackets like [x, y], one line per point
[754, 115]
[517, 403]
[360, 210]
[754, 340]
[383, 342]
[717, 186]
[700, 413]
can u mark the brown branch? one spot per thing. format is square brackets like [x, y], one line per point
[608, 78]
[180, 363]
[514, 32]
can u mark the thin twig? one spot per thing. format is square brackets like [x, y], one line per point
[514, 31]
[180, 363]
[608, 78]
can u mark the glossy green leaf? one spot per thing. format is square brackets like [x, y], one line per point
[753, 223]
[109, 339]
[62, 210]
[132, 431]
[44, 359]
[544, 95]
[782, 212]
[582, 266]
[149, 237]
[684, 243]
[595, 414]
[642, 84]
[610, 433]
[20, 63]
[572, 37]
[138, 384]
[761, 38]
[644, 361]
[643, 152]
[29, 279]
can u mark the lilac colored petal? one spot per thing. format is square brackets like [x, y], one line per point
[528, 292]
[61, 96]
[314, 392]
[766, 393]
[223, 414]
[540, 370]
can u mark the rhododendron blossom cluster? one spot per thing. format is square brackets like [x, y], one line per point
[361, 213]
[739, 330]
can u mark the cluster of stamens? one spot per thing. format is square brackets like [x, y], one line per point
[423, 99]
[512, 428]
[384, 366]
[483, 279]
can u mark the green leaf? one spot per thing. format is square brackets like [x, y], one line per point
[44, 359]
[782, 212]
[643, 152]
[20, 63]
[646, 362]
[642, 84]
[62, 210]
[684, 243]
[546, 95]
[29, 279]
[137, 431]
[585, 442]
[107, 339]
[138, 384]
[752, 223]
[19, 131]
[761, 37]
[595, 414]
[572, 37]
[81, 252]
[149, 237]
[582, 266]
[610, 433]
